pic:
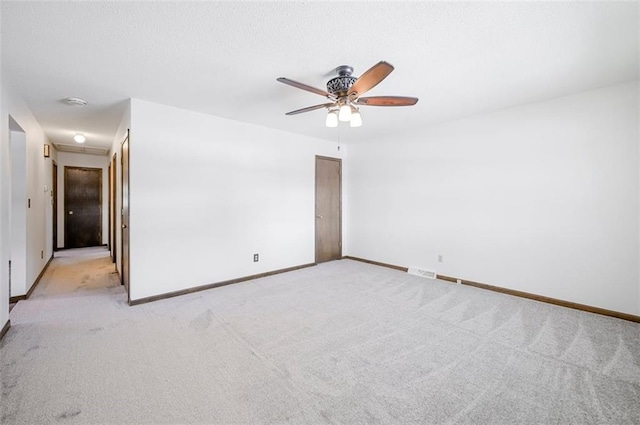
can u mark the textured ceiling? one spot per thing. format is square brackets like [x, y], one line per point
[223, 58]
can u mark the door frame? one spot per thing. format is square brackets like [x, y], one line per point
[66, 214]
[54, 203]
[315, 201]
[124, 216]
[112, 208]
[109, 247]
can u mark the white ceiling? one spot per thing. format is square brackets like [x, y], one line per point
[223, 58]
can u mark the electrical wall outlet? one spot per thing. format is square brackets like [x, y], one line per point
[256, 258]
[440, 258]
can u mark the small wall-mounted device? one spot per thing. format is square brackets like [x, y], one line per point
[256, 258]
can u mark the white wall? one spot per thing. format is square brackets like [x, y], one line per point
[5, 196]
[70, 159]
[207, 193]
[541, 198]
[38, 169]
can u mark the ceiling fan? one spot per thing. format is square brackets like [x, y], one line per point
[344, 91]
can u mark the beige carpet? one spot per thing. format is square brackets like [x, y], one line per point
[340, 343]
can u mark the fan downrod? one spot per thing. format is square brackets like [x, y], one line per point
[344, 70]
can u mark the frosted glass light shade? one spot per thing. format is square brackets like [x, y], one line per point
[79, 138]
[332, 119]
[356, 119]
[345, 113]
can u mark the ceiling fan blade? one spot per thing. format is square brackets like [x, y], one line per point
[309, 108]
[387, 101]
[305, 87]
[371, 78]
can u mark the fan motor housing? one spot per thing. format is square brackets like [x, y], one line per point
[341, 84]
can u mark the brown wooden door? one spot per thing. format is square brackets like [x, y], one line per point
[54, 203]
[124, 260]
[83, 207]
[328, 209]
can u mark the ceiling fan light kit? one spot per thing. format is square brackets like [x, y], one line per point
[344, 92]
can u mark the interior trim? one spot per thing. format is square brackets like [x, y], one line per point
[521, 294]
[62, 248]
[548, 300]
[17, 298]
[13, 300]
[376, 263]
[215, 285]
[5, 329]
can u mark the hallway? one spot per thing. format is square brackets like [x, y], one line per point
[39, 353]
[79, 272]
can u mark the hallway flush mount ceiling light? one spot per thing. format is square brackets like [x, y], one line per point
[344, 93]
[79, 138]
[76, 101]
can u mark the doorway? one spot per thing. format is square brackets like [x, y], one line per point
[82, 207]
[328, 209]
[19, 204]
